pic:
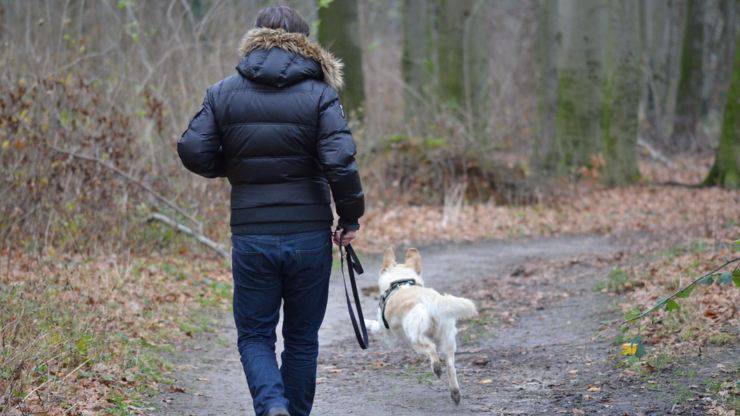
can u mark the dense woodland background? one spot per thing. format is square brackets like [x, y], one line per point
[450, 100]
[475, 119]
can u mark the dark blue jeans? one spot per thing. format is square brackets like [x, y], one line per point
[268, 269]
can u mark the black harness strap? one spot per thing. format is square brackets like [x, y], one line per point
[395, 285]
[353, 265]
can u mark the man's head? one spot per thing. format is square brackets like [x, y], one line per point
[282, 17]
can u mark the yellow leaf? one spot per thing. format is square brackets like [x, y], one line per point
[629, 348]
[6, 144]
[23, 115]
[486, 381]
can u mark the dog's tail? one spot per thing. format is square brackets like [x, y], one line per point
[456, 307]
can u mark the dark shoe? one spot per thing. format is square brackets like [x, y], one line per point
[277, 412]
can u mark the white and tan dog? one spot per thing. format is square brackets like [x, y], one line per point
[420, 315]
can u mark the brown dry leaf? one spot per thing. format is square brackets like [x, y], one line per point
[482, 360]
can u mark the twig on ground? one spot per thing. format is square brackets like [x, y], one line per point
[37, 388]
[677, 292]
[218, 248]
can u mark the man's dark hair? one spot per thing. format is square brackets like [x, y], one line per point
[282, 17]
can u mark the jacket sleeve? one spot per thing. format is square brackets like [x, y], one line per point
[200, 146]
[336, 150]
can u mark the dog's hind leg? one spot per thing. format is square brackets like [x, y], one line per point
[426, 346]
[449, 346]
[417, 324]
[452, 374]
[436, 363]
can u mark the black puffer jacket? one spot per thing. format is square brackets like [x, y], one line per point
[277, 131]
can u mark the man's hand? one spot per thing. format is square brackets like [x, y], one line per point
[344, 239]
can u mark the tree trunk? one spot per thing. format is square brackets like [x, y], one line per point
[419, 62]
[443, 65]
[545, 56]
[689, 98]
[339, 31]
[451, 17]
[476, 68]
[662, 23]
[719, 38]
[726, 169]
[621, 92]
[578, 94]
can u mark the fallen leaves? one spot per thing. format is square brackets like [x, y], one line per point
[704, 314]
[618, 210]
[95, 324]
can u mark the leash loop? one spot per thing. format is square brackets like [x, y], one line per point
[354, 266]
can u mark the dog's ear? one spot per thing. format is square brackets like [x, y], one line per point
[412, 260]
[389, 259]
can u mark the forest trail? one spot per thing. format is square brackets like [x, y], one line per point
[550, 359]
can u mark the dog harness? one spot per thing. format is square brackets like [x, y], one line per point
[395, 285]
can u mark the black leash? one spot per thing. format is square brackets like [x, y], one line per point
[353, 265]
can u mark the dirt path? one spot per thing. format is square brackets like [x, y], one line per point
[516, 362]
[536, 349]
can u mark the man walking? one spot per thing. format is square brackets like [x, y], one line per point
[277, 131]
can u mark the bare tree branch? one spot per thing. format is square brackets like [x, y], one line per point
[654, 153]
[159, 197]
[218, 248]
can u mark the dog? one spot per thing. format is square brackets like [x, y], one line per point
[419, 315]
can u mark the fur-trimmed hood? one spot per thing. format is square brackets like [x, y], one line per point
[294, 43]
